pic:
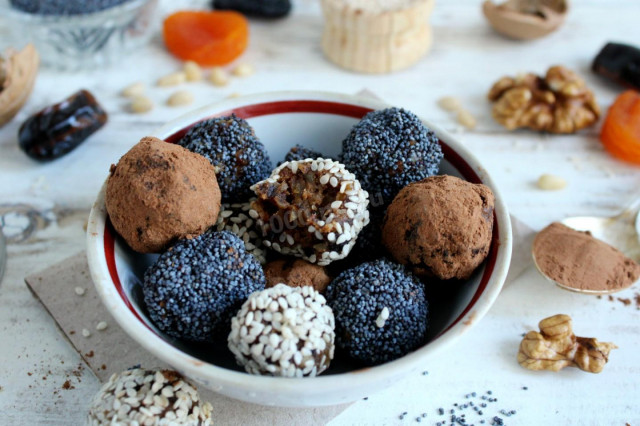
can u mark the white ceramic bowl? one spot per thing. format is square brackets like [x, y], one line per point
[319, 121]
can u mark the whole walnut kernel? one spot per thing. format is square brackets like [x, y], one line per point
[556, 347]
[558, 103]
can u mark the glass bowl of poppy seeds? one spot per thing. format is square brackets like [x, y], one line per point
[289, 297]
[79, 34]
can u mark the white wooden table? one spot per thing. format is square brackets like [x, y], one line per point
[466, 58]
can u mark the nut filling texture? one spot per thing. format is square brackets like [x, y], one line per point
[312, 209]
[283, 331]
[148, 397]
[239, 158]
[380, 310]
[194, 289]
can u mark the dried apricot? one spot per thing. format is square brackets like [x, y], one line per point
[207, 38]
[620, 133]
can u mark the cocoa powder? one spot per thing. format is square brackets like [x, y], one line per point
[576, 259]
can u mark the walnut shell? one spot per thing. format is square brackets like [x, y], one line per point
[560, 102]
[17, 76]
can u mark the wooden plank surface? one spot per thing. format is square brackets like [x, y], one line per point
[51, 201]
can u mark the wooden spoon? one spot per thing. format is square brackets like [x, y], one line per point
[526, 19]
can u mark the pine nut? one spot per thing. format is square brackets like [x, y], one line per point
[219, 77]
[549, 182]
[141, 104]
[193, 71]
[466, 119]
[449, 103]
[243, 70]
[133, 90]
[172, 79]
[180, 98]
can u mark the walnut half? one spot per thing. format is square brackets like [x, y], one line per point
[558, 103]
[556, 347]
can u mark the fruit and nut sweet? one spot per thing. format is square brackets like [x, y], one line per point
[257, 268]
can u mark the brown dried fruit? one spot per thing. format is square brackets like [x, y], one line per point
[558, 103]
[556, 347]
[17, 75]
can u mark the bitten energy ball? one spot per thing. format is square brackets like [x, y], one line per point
[235, 218]
[148, 397]
[441, 226]
[160, 192]
[380, 311]
[296, 273]
[283, 331]
[239, 158]
[312, 209]
[194, 289]
[389, 149]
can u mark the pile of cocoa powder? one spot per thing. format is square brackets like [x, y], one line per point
[576, 259]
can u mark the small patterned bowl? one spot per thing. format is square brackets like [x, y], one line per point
[83, 41]
[320, 121]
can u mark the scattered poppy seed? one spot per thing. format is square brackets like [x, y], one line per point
[525, 388]
[418, 419]
[489, 392]
[441, 411]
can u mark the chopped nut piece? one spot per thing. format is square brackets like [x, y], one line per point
[467, 119]
[243, 70]
[180, 98]
[556, 347]
[449, 103]
[133, 90]
[172, 79]
[558, 103]
[219, 77]
[549, 182]
[192, 71]
[141, 104]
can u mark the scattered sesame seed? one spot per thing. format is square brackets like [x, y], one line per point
[85, 332]
[80, 291]
[102, 325]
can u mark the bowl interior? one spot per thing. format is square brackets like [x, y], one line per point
[322, 126]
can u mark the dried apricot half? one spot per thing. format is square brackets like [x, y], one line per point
[620, 133]
[208, 38]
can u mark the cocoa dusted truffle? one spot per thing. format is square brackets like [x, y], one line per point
[441, 226]
[160, 192]
[389, 149]
[148, 397]
[239, 158]
[380, 310]
[296, 273]
[283, 331]
[194, 288]
[313, 209]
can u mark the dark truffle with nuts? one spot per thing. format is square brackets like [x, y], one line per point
[441, 226]
[239, 158]
[380, 310]
[283, 331]
[148, 397]
[312, 209]
[389, 149]
[194, 288]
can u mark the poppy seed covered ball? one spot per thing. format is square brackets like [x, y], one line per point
[194, 289]
[380, 310]
[388, 149]
[239, 158]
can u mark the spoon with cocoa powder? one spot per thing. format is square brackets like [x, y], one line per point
[594, 255]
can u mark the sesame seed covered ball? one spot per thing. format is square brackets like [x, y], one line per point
[380, 310]
[194, 288]
[283, 331]
[148, 397]
[239, 158]
[299, 152]
[235, 218]
[388, 149]
[313, 209]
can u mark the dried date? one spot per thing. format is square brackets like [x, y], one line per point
[60, 128]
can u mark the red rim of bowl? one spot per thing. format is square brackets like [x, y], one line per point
[314, 106]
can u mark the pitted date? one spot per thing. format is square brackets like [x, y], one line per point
[60, 128]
